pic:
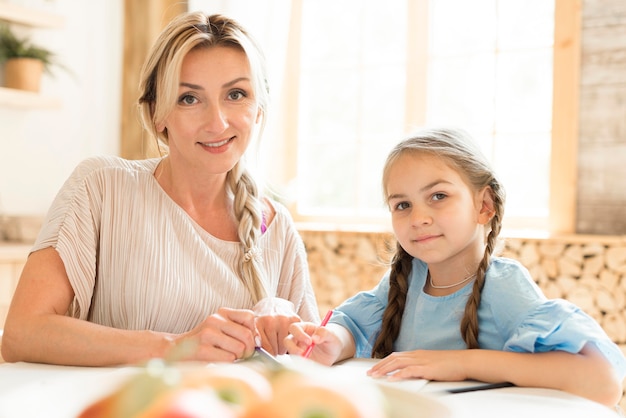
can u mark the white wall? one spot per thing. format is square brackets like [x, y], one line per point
[40, 148]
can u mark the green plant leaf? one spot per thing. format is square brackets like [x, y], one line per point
[13, 47]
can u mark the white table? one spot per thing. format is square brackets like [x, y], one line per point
[35, 390]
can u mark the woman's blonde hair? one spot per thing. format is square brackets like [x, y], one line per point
[159, 83]
[456, 148]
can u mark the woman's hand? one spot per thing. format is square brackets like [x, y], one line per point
[446, 365]
[273, 317]
[328, 344]
[273, 329]
[226, 336]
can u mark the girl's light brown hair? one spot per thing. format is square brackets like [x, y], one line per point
[160, 79]
[457, 150]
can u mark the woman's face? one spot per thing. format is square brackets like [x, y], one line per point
[211, 125]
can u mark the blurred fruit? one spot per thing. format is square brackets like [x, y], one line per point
[136, 393]
[243, 390]
[320, 394]
[236, 384]
[188, 403]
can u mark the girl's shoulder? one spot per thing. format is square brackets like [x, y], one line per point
[505, 265]
[509, 286]
[507, 270]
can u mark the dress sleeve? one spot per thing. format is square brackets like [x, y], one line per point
[560, 325]
[362, 315]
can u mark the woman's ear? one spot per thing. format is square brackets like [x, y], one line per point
[259, 115]
[487, 206]
[160, 127]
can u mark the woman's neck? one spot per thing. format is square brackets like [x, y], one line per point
[205, 200]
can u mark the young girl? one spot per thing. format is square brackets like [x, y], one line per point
[448, 309]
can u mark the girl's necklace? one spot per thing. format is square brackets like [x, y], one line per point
[468, 278]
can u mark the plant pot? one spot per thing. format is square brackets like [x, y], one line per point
[23, 74]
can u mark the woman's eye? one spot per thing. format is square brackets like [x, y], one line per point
[236, 95]
[187, 99]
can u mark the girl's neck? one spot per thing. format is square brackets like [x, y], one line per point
[446, 278]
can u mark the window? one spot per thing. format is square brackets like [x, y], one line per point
[351, 104]
[486, 69]
[355, 76]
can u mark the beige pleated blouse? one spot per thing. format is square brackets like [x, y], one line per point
[136, 260]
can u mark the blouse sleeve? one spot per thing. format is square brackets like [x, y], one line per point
[71, 227]
[295, 282]
[560, 325]
[362, 315]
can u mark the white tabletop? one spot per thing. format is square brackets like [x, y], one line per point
[35, 390]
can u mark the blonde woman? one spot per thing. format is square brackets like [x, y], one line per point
[137, 258]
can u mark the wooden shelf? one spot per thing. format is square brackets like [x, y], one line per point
[29, 16]
[26, 99]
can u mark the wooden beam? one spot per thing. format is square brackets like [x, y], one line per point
[143, 21]
[566, 79]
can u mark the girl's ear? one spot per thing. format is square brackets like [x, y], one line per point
[487, 207]
[160, 127]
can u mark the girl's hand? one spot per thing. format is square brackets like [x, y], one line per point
[444, 365]
[328, 345]
[225, 336]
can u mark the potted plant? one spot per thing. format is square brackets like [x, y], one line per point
[24, 63]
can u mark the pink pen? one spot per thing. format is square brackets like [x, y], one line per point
[308, 350]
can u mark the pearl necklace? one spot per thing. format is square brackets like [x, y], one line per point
[468, 278]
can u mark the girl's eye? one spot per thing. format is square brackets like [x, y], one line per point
[236, 95]
[187, 99]
[438, 196]
[401, 206]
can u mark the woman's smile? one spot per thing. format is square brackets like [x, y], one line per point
[217, 147]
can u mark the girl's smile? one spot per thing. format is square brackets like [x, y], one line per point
[426, 239]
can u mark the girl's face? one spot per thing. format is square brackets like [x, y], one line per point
[216, 111]
[436, 216]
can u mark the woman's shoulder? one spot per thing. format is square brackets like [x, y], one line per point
[104, 162]
[105, 168]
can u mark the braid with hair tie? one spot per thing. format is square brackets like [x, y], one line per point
[469, 323]
[392, 317]
[247, 210]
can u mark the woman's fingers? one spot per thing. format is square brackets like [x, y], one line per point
[273, 329]
[227, 335]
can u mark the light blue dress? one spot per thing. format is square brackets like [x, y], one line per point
[514, 315]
